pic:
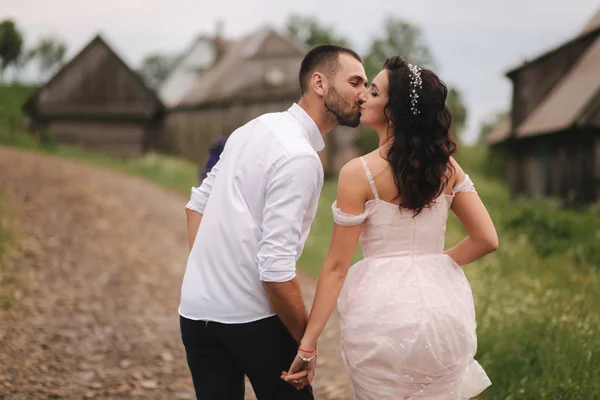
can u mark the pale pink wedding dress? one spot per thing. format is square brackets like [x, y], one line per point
[408, 320]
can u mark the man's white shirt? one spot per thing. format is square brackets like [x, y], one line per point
[258, 204]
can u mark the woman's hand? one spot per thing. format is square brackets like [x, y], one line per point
[301, 372]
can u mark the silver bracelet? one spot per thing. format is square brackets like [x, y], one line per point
[309, 359]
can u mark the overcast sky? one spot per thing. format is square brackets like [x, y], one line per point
[474, 41]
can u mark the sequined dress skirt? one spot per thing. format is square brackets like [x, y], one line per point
[408, 330]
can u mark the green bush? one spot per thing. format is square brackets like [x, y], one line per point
[554, 231]
[537, 323]
[482, 160]
[48, 140]
[367, 140]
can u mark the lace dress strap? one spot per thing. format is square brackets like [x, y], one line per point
[369, 177]
[466, 185]
[343, 219]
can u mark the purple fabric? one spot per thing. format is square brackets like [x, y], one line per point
[213, 157]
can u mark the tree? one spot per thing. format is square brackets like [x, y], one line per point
[309, 31]
[406, 39]
[400, 38]
[49, 53]
[458, 110]
[156, 67]
[19, 65]
[488, 125]
[11, 44]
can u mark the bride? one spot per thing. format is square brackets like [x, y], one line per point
[408, 319]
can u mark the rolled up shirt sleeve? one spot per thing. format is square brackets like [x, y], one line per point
[291, 188]
[199, 196]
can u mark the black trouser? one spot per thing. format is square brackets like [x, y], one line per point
[219, 355]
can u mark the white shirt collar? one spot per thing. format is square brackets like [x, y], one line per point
[314, 134]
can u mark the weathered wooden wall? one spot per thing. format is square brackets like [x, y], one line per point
[191, 133]
[565, 165]
[112, 138]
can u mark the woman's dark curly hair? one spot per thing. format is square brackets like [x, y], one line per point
[421, 145]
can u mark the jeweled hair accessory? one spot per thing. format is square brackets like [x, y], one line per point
[415, 83]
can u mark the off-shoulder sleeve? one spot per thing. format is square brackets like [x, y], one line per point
[343, 219]
[466, 185]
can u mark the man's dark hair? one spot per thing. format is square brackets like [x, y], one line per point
[323, 57]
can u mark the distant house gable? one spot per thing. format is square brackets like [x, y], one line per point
[592, 24]
[200, 56]
[94, 82]
[263, 64]
[272, 44]
[557, 90]
[564, 106]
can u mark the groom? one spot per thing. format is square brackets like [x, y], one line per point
[241, 310]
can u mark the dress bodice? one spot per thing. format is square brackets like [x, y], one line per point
[388, 230]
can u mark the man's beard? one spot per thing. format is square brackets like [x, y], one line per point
[341, 109]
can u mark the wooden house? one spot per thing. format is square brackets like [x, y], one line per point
[551, 137]
[97, 102]
[219, 85]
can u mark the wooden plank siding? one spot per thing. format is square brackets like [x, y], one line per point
[559, 166]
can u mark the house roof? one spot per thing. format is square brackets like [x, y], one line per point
[590, 29]
[200, 55]
[241, 70]
[500, 132]
[218, 44]
[31, 102]
[592, 24]
[567, 100]
[565, 105]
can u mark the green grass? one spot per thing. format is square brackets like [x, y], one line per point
[538, 323]
[8, 281]
[538, 319]
[317, 243]
[12, 98]
[170, 172]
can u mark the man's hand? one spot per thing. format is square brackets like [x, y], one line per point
[299, 383]
[300, 372]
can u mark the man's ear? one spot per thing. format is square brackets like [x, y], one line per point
[319, 83]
